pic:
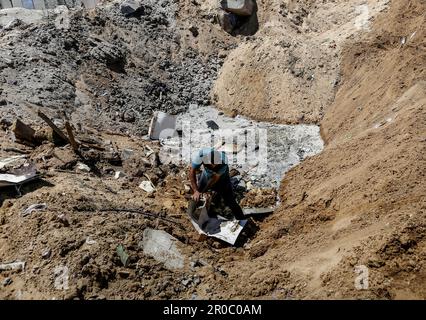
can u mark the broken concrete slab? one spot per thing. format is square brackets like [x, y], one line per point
[13, 266]
[163, 126]
[163, 248]
[239, 7]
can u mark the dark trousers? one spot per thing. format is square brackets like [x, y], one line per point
[224, 188]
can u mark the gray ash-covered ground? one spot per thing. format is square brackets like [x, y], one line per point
[104, 69]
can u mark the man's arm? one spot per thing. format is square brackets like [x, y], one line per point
[193, 178]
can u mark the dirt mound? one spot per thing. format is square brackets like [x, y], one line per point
[359, 205]
[289, 71]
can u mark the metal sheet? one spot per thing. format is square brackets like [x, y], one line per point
[219, 227]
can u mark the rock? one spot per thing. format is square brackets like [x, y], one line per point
[119, 174]
[81, 167]
[131, 8]
[212, 125]
[186, 282]
[82, 285]
[239, 7]
[110, 54]
[126, 154]
[375, 263]
[124, 274]
[154, 160]
[7, 281]
[147, 186]
[46, 254]
[6, 123]
[228, 21]
[90, 241]
[194, 31]
[64, 219]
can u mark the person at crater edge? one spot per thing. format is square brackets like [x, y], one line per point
[214, 177]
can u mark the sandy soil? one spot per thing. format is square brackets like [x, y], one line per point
[361, 202]
[357, 207]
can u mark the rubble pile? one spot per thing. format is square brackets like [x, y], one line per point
[105, 65]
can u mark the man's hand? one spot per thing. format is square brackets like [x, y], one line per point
[196, 196]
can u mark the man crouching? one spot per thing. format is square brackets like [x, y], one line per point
[215, 177]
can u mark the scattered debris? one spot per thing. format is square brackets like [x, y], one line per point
[119, 174]
[13, 24]
[163, 248]
[34, 207]
[147, 186]
[81, 167]
[7, 281]
[194, 31]
[90, 241]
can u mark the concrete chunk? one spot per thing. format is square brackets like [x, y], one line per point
[130, 7]
[239, 7]
[163, 248]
